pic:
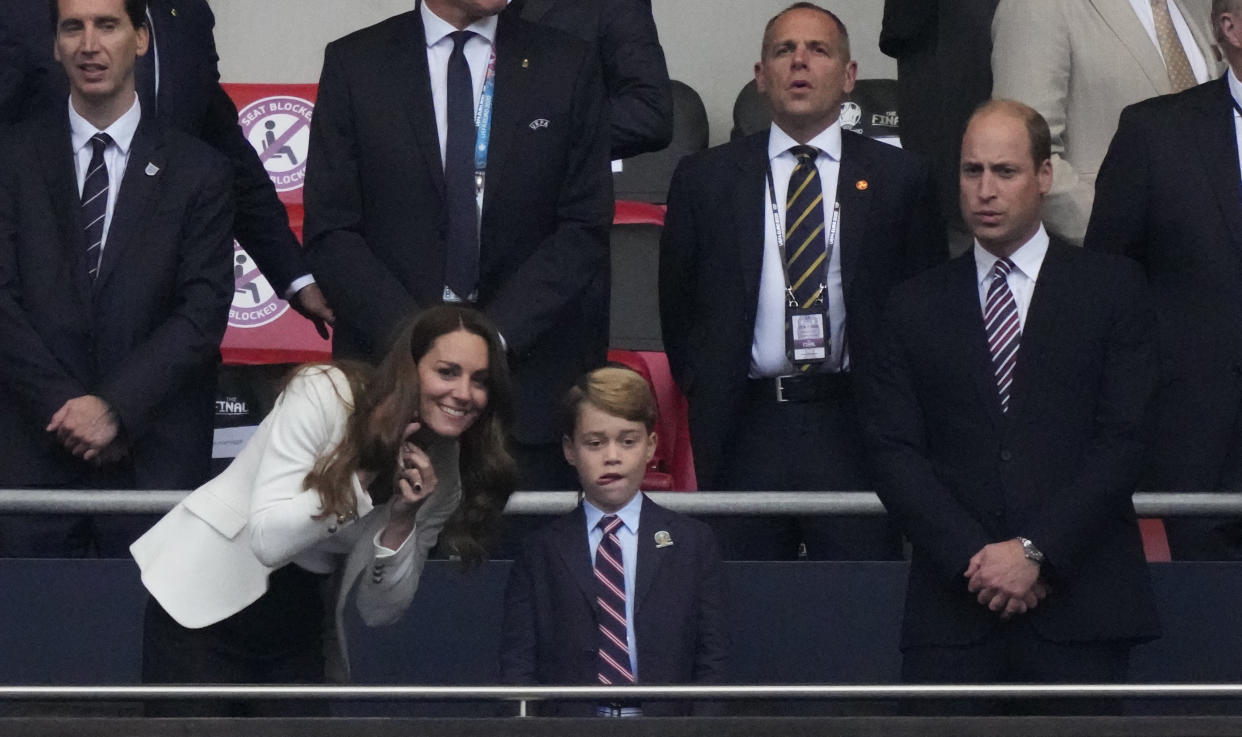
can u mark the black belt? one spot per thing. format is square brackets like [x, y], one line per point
[803, 388]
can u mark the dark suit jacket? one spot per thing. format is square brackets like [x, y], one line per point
[1058, 468]
[190, 99]
[680, 628]
[943, 50]
[1168, 196]
[623, 32]
[711, 254]
[144, 335]
[376, 217]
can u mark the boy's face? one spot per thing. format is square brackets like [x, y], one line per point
[611, 455]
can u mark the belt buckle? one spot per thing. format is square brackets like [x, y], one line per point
[780, 389]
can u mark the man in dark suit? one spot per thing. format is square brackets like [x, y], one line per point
[1004, 415]
[115, 281]
[389, 228]
[1168, 197]
[620, 590]
[762, 418]
[623, 32]
[178, 83]
[943, 50]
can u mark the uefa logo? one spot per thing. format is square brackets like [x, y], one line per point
[255, 303]
[279, 129]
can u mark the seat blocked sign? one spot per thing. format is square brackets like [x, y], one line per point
[275, 119]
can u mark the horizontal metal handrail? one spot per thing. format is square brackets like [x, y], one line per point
[840, 503]
[627, 693]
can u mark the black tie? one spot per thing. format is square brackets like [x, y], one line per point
[95, 202]
[461, 268]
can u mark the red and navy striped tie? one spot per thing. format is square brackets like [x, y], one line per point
[614, 651]
[1004, 329]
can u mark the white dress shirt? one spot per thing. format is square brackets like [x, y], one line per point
[1198, 64]
[627, 533]
[478, 52]
[767, 352]
[116, 154]
[1027, 261]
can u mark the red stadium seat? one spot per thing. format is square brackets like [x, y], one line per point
[672, 467]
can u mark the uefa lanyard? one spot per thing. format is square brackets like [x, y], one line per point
[483, 125]
[780, 244]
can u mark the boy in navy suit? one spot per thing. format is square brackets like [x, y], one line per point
[621, 590]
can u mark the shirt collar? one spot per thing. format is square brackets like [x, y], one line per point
[122, 129]
[1027, 259]
[629, 514]
[436, 28]
[828, 141]
[1235, 87]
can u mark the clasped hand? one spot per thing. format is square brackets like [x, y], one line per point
[1005, 580]
[88, 428]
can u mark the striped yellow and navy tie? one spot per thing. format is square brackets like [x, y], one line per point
[805, 246]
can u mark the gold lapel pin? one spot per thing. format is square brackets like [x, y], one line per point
[861, 185]
[663, 539]
[526, 63]
[173, 11]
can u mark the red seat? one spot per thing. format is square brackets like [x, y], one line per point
[1155, 541]
[672, 466]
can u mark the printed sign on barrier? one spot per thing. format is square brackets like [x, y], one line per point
[275, 119]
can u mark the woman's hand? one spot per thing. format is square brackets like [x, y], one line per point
[416, 477]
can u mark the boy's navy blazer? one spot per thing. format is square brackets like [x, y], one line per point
[550, 633]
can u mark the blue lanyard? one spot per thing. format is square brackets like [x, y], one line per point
[483, 122]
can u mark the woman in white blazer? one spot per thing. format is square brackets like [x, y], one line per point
[353, 470]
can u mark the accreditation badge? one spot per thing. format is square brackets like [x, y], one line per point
[806, 334]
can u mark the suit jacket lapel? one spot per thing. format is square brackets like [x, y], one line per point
[139, 188]
[854, 194]
[1203, 37]
[966, 320]
[55, 152]
[1041, 318]
[514, 71]
[1121, 19]
[570, 539]
[749, 224]
[651, 521]
[412, 83]
[1213, 127]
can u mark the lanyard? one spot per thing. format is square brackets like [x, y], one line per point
[780, 244]
[483, 124]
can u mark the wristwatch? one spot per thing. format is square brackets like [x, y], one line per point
[1030, 551]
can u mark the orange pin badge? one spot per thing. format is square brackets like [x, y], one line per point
[861, 185]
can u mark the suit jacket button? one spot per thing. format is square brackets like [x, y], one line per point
[1006, 455]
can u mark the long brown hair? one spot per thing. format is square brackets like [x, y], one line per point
[385, 398]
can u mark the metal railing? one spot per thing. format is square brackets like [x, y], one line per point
[524, 695]
[840, 503]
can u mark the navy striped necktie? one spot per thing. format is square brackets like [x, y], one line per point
[614, 650]
[95, 202]
[1004, 329]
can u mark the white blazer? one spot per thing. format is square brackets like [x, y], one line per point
[201, 568]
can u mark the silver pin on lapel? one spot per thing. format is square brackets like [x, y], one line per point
[151, 169]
